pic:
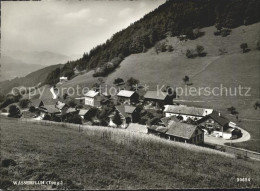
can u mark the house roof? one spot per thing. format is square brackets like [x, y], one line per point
[166, 120]
[129, 109]
[50, 102]
[91, 93]
[121, 110]
[157, 95]
[220, 119]
[183, 109]
[71, 110]
[35, 102]
[83, 112]
[125, 93]
[181, 130]
[60, 105]
[51, 109]
[160, 129]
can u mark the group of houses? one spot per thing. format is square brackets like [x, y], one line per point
[178, 122]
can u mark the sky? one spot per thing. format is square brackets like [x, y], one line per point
[66, 27]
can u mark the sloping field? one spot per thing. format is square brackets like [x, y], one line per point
[104, 158]
[231, 69]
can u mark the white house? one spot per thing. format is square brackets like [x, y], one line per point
[91, 97]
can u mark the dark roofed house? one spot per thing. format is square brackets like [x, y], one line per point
[157, 98]
[217, 123]
[126, 112]
[177, 131]
[128, 96]
[83, 113]
[51, 109]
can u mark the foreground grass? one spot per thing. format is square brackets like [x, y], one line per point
[104, 158]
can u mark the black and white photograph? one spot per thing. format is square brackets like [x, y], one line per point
[129, 94]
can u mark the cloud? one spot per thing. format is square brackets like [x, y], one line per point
[83, 13]
[125, 12]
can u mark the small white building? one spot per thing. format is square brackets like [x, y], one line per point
[63, 79]
[91, 97]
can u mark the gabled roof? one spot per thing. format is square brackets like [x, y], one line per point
[181, 130]
[83, 112]
[36, 102]
[71, 110]
[217, 117]
[183, 109]
[49, 101]
[166, 120]
[129, 109]
[157, 95]
[51, 109]
[125, 110]
[125, 93]
[220, 119]
[91, 93]
[60, 105]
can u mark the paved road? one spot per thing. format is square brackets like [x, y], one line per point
[220, 141]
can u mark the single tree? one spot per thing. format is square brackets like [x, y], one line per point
[170, 48]
[118, 81]
[24, 103]
[132, 81]
[244, 47]
[65, 96]
[200, 50]
[186, 79]
[14, 111]
[117, 119]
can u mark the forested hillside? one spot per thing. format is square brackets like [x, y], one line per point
[175, 17]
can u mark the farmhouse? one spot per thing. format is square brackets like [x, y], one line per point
[127, 115]
[178, 131]
[91, 98]
[127, 96]
[219, 125]
[185, 112]
[63, 107]
[48, 109]
[157, 98]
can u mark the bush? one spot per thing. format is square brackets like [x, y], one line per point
[118, 81]
[197, 33]
[225, 32]
[200, 51]
[244, 47]
[76, 119]
[190, 53]
[24, 103]
[4, 110]
[8, 162]
[132, 81]
[217, 33]
[32, 109]
[170, 48]
[14, 111]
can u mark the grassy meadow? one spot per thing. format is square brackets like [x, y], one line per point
[106, 158]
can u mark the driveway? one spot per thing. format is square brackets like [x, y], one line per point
[220, 141]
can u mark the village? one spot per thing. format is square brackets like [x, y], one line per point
[150, 112]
